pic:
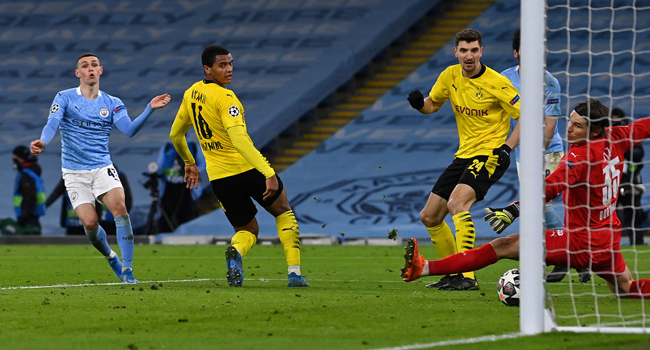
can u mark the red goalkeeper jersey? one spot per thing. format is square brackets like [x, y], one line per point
[589, 177]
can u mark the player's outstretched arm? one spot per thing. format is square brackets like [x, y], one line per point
[131, 127]
[160, 101]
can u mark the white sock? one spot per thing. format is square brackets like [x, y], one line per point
[425, 269]
[111, 255]
[296, 269]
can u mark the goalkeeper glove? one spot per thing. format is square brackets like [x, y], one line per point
[500, 218]
[416, 99]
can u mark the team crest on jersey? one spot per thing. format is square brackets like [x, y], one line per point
[103, 112]
[54, 108]
[479, 94]
[74, 196]
[233, 111]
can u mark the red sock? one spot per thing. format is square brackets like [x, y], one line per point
[640, 289]
[469, 260]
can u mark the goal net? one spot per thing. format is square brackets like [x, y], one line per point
[596, 49]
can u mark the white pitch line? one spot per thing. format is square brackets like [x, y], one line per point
[101, 284]
[181, 281]
[456, 342]
[189, 280]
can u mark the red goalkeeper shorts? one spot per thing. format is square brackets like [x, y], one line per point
[571, 249]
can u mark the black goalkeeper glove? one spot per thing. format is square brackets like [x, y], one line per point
[416, 99]
[500, 218]
[504, 154]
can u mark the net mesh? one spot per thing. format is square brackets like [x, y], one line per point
[601, 49]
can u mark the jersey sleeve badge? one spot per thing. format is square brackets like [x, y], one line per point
[233, 111]
[55, 108]
[514, 100]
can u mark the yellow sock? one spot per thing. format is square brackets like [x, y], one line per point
[243, 241]
[443, 239]
[289, 236]
[465, 235]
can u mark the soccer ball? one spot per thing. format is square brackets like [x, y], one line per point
[508, 288]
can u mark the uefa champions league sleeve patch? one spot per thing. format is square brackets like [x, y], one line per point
[54, 108]
[233, 111]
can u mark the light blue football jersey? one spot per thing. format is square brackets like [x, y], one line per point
[552, 105]
[85, 127]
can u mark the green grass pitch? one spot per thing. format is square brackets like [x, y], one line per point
[357, 301]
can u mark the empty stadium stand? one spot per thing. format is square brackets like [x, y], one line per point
[289, 55]
[374, 174]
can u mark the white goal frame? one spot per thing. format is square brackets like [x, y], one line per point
[534, 318]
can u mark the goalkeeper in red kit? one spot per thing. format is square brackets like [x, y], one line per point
[588, 176]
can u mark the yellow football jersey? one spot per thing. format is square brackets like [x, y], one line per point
[482, 105]
[212, 109]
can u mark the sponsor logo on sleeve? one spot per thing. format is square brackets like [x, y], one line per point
[118, 108]
[233, 111]
[54, 108]
[103, 112]
[552, 101]
[514, 100]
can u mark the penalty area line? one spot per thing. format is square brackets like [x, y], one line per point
[457, 342]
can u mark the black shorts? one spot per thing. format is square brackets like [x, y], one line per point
[479, 172]
[235, 193]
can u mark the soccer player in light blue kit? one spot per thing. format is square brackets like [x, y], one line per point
[552, 139]
[85, 115]
[554, 148]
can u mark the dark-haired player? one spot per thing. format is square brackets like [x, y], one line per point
[552, 155]
[589, 176]
[85, 115]
[483, 101]
[237, 170]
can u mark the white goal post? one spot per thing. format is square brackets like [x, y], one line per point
[535, 318]
[533, 29]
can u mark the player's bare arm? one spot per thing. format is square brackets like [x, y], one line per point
[37, 147]
[160, 101]
[513, 140]
[192, 176]
[549, 129]
[271, 187]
